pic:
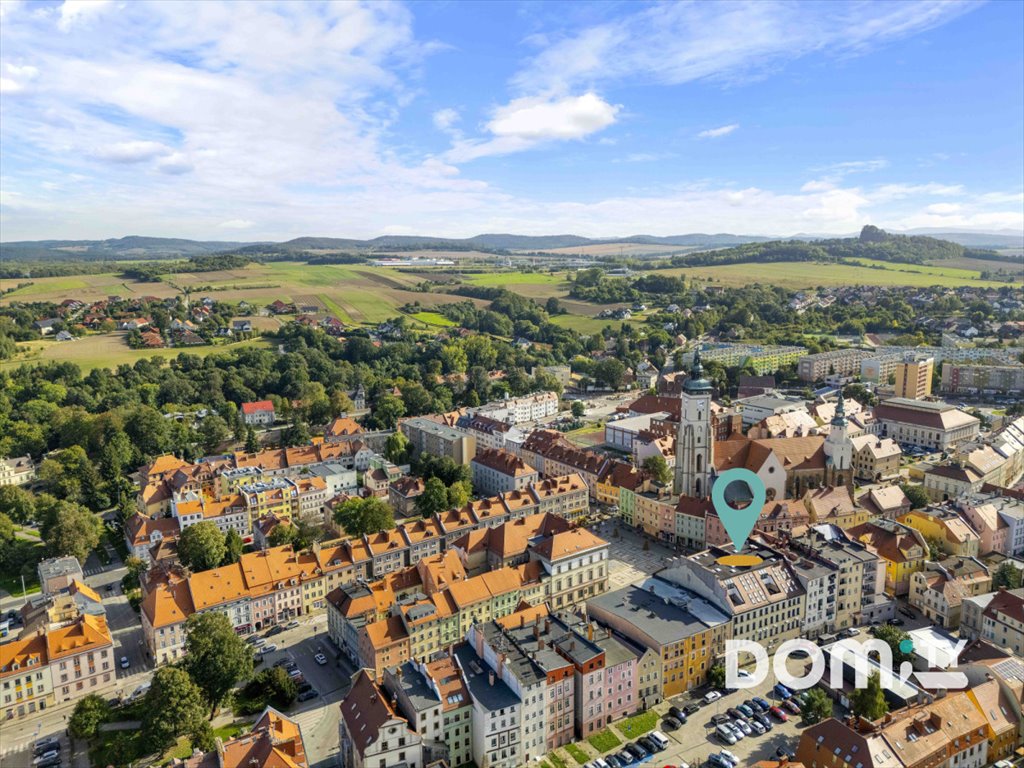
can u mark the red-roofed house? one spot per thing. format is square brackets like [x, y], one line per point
[259, 412]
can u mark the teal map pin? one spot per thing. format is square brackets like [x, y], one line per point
[738, 485]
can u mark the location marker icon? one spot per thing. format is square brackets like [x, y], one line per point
[738, 496]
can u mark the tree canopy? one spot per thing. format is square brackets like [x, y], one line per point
[216, 658]
[201, 546]
[359, 516]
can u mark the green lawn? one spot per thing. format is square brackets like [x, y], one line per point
[604, 741]
[433, 318]
[576, 754]
[638, 725]
[556, 760]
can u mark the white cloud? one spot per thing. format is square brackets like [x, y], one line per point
[943, 209]
[131, 151]
[675, 43]
[76, 11]
[714, 133]
[168, 117]
[444, 119]
[529, 121]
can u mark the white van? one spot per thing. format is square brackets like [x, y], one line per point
[659, 738]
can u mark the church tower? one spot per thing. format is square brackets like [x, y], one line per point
[839, 450]
[695, 446]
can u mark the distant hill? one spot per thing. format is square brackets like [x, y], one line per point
[914, 246]
[131, 247]
[872, 243]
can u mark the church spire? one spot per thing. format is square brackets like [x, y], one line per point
[695, 383]
[839, 420]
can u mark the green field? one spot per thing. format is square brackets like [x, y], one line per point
[515, 278]
[433, 318]
[361, 294]
[804, 274]
[108, 350]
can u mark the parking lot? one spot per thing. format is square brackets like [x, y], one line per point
[695, 740]
[318, 717]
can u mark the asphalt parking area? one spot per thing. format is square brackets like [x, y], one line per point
[695, 740]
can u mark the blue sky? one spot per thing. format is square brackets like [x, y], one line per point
[274, 120]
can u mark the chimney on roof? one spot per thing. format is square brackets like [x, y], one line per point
[490, 677]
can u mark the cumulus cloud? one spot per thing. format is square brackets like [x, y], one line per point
[529, 121]
[237, 224]
[444, 119]
[714, 133]
[77, 11]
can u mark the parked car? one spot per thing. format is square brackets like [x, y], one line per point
[759, 729]
[625, 757]
[717, 761]
[712, 696]
[649, 744]
[781, 691]
[46, 757]
[737, 732]
[660, 739]
[636, 750]
[782, 752]
[744, 726]
[53, 762]
[677, 713]
[763, 703]
[762, 718]
[308, 694]
[691, 709]
[779, 714]
[125, 663]
[792, 706]
[269, 648]
[729, 756]
[719, 719]
[754, 706]
[274, 630]
[43, 746]
[747, 711]
[259, 642]
[725, 734]
[613, 761]
[897, 622]
[291, 624]
[734, 713]
[671, 723]
[320, 659]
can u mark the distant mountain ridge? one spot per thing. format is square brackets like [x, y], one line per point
[135, 247]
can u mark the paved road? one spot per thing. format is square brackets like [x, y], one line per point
[16, 737]
[318, 718]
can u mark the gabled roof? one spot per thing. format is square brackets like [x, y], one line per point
[258, 406]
